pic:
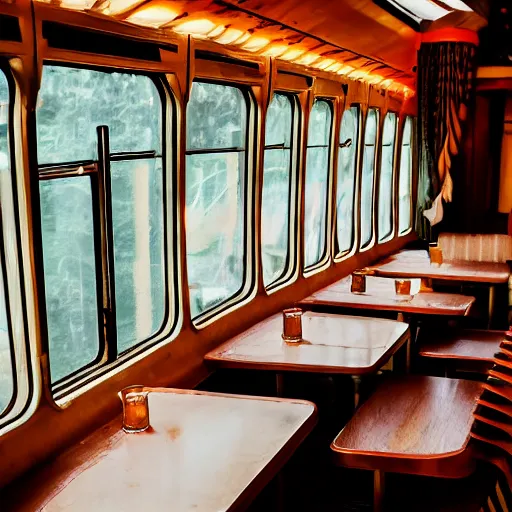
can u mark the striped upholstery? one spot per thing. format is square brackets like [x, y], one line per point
[491, 248]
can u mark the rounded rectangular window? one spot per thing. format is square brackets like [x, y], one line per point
[215, 194]
[368, 176]
[317, 183]
[16, 387]
[386, 181]
[7, 361]
[346, 184]
[102, 190]
[405, 179]
[276, 210]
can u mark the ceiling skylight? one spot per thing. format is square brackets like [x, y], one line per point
[422, 10]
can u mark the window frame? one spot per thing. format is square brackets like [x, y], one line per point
[366, 246]
[399, 167]
[293, 195]
[22, 374]
[248, 286]
[110, 358]
[337, 254]
[326, 254]
[389, 236]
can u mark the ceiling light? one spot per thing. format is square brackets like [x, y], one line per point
[255, 43]
[293, 54]
[276, 51]
[153, 16]
[195, 27]
[308, 59]
[229, 36]
[119, 6]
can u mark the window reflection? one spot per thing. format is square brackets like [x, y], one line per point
[405, 179]
[368, 176]
[275, 209]
[347, 165]
[215, 197]
[387, 166]
[317, 178]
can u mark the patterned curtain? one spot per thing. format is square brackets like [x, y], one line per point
[445, 90]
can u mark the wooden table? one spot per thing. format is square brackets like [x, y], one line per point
[332, 344]
[474, 349]
[416, 425]
[465, 271]
[380, 295]
[205, 452]
[458, 271]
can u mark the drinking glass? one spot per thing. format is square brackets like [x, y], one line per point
[135, 409]
[292, 325]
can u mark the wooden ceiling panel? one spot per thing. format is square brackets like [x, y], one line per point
[357, 25]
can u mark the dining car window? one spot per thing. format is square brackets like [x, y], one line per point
[277, 220]
[346, 181]
[15, 366]
[368, 176]
[215, 194]
[405, 179]
[386, 181]
[7, 361]
[102, 183]
[317, 180]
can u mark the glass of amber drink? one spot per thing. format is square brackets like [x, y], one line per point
[436, 254]
[358, 284]
[135, 409]
[292, 325]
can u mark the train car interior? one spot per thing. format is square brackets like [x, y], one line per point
[255, 255]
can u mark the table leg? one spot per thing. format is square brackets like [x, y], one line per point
[408, 356]
[357, 390]
[279, 384]
[378, 490]
[492, 294]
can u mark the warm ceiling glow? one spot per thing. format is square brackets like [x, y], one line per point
[77, 4]
[217, 31]
[333, 68]
[308, 59]
[229, 36]
[324, 64]
[153, 16]
[386, 83]
[255, 43]
[195, 27]
[276, 51]
[293, 54]
[345, 70]
[375, 79]
[118, 6]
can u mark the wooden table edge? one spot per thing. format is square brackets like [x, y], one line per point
[273, 467]
[221, 362]
[437, 355]
[367, 307]
[437, 277]
[457, 464]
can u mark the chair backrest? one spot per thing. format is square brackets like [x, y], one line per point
[466, 247]
[492, 428]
